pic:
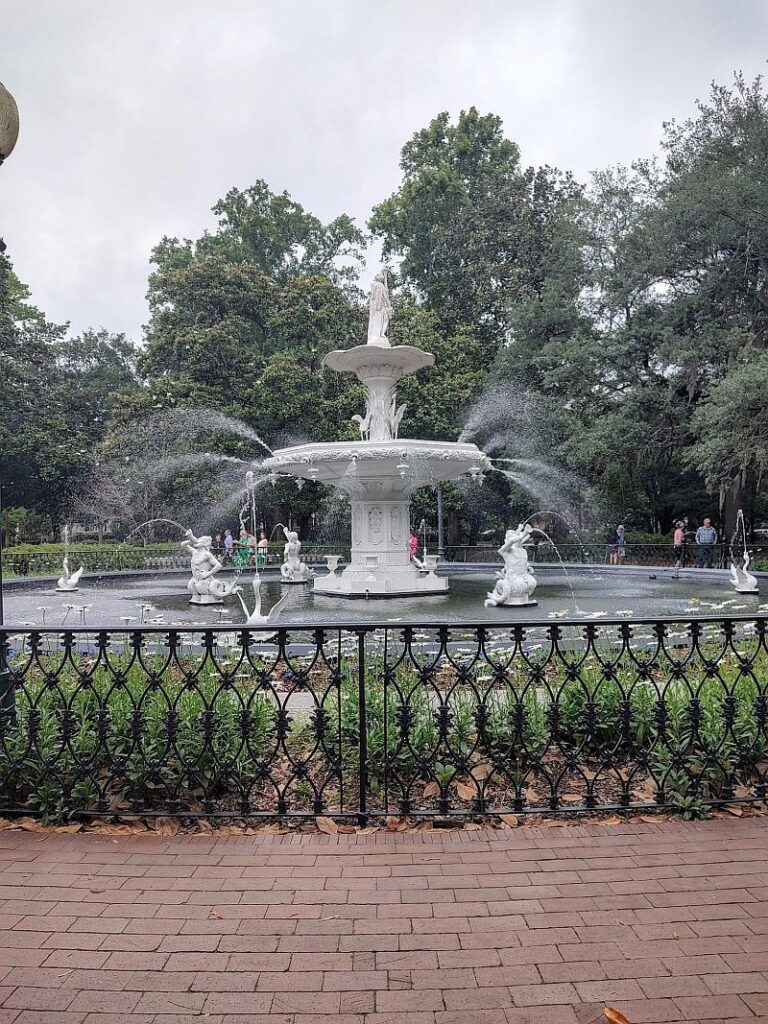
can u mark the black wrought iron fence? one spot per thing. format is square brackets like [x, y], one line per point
[366, 720]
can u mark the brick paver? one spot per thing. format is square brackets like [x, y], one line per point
[665, 921]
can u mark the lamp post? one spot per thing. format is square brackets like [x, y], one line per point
[9, 132]
[9, 123]
[440, 530]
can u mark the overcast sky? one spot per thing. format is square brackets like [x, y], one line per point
[136, 116]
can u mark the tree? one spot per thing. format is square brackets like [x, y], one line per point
[473, 229]
[707, 239]
[731, 429]
[58, 394]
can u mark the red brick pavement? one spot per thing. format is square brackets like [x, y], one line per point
[666, 922]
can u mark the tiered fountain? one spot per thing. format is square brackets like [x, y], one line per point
[380, 472]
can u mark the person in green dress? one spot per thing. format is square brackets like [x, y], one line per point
[242, 548]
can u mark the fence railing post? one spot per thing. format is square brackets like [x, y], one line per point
[362, 805]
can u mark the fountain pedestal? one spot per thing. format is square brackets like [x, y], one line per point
[380, 563]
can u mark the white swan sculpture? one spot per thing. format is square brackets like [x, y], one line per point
[68, 582]
[744, 582]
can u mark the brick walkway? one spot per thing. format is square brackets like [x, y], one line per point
[665, 922]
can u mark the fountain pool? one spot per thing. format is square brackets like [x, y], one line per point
[635, 592]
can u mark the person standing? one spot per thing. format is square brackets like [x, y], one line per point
[261, 550]
[413, 545]
[621, 546]
[241, 550]
[229, 545]
[678, 544]
[706, 538]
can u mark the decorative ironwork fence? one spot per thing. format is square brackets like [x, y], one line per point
[459, 719]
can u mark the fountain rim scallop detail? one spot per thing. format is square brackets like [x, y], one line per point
[380, 471]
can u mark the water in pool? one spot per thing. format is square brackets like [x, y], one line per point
[636, 593]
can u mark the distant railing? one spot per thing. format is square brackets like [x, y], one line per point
[367, 720]
[592, 553]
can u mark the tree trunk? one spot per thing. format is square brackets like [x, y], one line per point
[731, 500]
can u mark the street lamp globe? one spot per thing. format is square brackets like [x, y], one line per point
[9, 123]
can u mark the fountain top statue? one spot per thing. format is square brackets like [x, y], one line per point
[379, 365]
[379, 311]
[380, 471]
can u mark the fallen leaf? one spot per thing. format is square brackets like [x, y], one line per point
[29, 825]
[424, 826]
[327, 825]
[472, 826]
[165, 826]
[397, 824]
[615, 1017]
[465, 792]
[511, 820]
[734, 810]
[742, 792]
[613, 820]
[648, 819]
[203, 825]
[431, 789]
[647, 791]
[368, 830]
[348, 830]
[74, 827]
[270, 830]
[215, 915]
[481, 771]
[572, 798]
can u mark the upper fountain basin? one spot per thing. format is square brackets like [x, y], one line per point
[379, 360]
[398, 466]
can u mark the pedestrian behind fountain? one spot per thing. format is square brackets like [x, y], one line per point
[218, 545]
[706, 538]
[621, 545]
[678, 544]
[413, 545]
[251, 548]
[261, 550]
[229, 545]
[241, 550]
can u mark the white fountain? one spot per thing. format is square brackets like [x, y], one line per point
[380, 472]
[744, 582]
[515, 583]
[204, 588]
[293, 570]
[68, 582]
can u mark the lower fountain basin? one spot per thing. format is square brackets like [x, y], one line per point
[600, 590]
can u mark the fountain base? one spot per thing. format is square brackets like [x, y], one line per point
[205, 599]
[361, 581]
